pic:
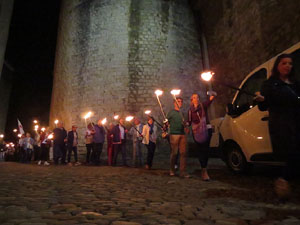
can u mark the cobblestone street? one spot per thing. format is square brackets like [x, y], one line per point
[31, 194]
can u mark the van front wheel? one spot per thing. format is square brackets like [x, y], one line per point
[236, 160]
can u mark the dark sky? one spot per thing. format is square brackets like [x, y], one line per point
[31, 51]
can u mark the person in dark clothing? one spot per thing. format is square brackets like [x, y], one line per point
[119, 142]
[59, 146]
[98, 138]
[72, 145]
[280, 95]
[197, 113]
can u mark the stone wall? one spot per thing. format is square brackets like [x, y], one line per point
[6, 7]
[113, 54]
[242, 34]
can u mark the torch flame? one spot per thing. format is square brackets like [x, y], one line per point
[15, 130]
[158, 92]
[116, 117]
[56, 122]
[1, 136]
[147, 112]
[36, 127]
[50, 136]
[104, 121]
[88, 115]
[175, 92]
[43, 129]
[35, 121]
[129, 118]
[19, 135]
[207, 75]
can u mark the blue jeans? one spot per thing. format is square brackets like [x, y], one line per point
[70, 150]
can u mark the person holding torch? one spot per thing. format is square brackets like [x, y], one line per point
[197, 118]
[177, 138]
[119, 141]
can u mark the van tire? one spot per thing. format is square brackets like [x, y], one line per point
[236, 160]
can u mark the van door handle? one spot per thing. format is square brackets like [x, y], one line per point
[266, 118]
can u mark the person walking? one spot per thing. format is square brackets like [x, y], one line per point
[72, 143]
[135, 132]
[59, 144]
[198, 119]
[280, 95]
[119, 141]
[98, 139]
[177, 138]
[149, 139]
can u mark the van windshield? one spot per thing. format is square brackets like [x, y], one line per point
[244, 102]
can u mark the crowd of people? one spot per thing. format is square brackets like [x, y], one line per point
[64, 144]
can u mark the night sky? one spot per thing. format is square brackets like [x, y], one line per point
[31, 52]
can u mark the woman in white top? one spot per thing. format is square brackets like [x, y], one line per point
[149, 139]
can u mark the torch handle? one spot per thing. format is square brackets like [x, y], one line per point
[161, 108]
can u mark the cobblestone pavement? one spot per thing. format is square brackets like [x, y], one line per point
[39, 195]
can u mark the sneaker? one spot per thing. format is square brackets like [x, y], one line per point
[40, 162]
[46, 163]
[77, 164]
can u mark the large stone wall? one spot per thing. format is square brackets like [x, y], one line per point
[242, 34]
[6, 7]
[113, 54]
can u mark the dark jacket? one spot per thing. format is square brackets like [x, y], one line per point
[282, 100]
[71, 138]
[117, 134]
[59, 135]
[99, 135]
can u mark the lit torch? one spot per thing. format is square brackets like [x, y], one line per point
[159, 93]
[36, 127]
[19, 135]
[104, 121]
[129, 119]
[88, 115]
[56, 122]
[15, 130]
[148, 113]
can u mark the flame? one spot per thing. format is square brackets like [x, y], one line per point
[19, 135]
[15, 130]
[158, 92]
[147, 112]
[88, 115]
[36, 127]
[35, 121]
[129, 118]
[56, 121]
[1, 136]
[175, 92]
[207, 75]
[104, 121]
[116, 117]
[50, 136]
[43, 129]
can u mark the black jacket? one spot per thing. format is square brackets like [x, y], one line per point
[71, 138]
[282, 100]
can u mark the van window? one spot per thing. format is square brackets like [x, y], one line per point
[244, 102]
[296, 63]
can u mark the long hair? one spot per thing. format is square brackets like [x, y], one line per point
[275, 73]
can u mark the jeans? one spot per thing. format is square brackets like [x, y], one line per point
[119, 148]
[151, 150]
[70, 150]
[137, 155]
[98, 150]
[89, 149]
[178, 143]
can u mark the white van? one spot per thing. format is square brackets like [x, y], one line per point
[243, 134]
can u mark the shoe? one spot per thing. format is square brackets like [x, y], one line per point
[172, 174]
[185, 176]
[204, 175]
[40, 162]
[46, 163]
[282, 188]
[77, 164]
[70, 164]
